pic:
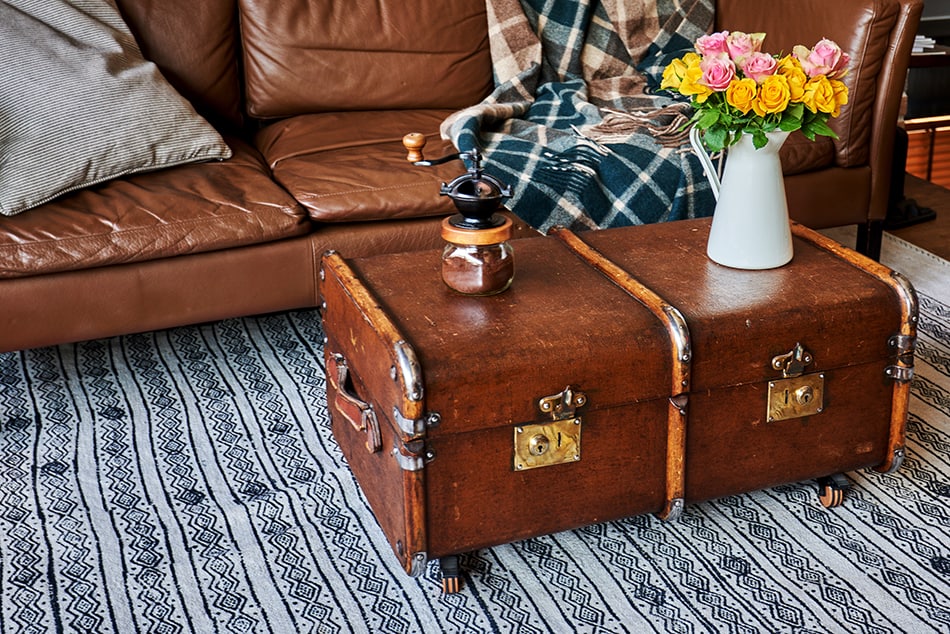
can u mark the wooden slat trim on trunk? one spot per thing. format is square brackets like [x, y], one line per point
[681, 354]
[903, 368]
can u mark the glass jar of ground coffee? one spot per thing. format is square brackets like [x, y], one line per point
[477, 261]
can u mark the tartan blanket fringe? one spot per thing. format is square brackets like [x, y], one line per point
[668, 125]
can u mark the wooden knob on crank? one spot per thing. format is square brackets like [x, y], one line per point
[414, 142]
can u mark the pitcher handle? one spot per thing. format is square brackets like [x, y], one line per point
[708, 168]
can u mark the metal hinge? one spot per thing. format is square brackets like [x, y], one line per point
[413, 454]
[899, 372]
[903, 346]
[414, 427]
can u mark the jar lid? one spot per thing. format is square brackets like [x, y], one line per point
[476, 237]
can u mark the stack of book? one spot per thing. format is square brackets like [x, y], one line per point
[923, 44]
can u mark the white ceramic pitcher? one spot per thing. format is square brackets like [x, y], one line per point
[750, 228]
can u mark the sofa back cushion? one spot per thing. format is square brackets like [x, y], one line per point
[310, 56]
[862, 28]
[194, 44]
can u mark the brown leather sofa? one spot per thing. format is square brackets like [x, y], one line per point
[313, 97]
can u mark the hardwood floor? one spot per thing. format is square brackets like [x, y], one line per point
[932, 235]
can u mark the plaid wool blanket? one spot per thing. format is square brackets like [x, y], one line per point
[573, 123]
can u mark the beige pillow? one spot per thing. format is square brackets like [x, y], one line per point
[79, 105]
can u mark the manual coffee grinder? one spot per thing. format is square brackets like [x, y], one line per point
[477, 258]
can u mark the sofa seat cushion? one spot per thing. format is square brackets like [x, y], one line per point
[351, 166]
[181, 210]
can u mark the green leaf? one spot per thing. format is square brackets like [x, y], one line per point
[759, 140]
[791, 119]
[788, 124]
[708, 119]
[820, 126]
[817, 126]
[715, 138]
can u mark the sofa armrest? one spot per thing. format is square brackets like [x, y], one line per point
[878, 35]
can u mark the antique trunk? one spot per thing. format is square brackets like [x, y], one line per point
[622, 373]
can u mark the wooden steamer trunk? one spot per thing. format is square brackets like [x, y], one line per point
[622, 373]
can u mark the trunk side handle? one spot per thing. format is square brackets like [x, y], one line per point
[355, 410]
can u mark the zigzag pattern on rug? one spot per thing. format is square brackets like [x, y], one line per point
[187, 481]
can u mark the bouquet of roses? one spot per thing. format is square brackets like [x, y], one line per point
[735, 88]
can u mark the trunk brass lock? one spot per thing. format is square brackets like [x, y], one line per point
[547, 444]
[556, 442]
[796, 394]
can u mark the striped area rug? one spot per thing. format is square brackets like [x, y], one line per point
[187, 481]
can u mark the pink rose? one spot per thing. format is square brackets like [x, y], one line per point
[713, 45]
[717, 72]
[758, 66]
[826, 58]
[741, 45]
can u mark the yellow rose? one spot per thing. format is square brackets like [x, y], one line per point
[741, 94]
[774, 95]
[820, 95]
[841, 95]
[692, 59]
[791, 68]
[692, 85]
[673, 75]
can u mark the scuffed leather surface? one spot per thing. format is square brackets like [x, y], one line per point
[862, 29]
[171, 212]
[194, 43]
[364, 239]
[351, 166]
[302, 56]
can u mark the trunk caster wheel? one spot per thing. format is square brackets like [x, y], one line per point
[450, 574]
[831, 490]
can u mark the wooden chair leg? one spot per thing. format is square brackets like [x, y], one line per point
[870, 236]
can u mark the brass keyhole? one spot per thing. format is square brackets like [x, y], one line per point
[804, 394]
[538, 444]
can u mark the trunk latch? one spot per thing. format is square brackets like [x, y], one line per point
[556, 442]
[796, 394]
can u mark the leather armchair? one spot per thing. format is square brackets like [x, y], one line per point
[845, 181]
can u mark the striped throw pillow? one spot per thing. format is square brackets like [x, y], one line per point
[79, 105]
